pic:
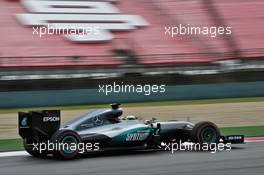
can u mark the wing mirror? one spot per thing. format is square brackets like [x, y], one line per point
[153, 119]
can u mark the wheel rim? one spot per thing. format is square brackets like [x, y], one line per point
[71, 141]
[208, 135]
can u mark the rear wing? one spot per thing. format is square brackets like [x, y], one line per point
[38, 124]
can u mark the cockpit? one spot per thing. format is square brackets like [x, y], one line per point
[96, 118]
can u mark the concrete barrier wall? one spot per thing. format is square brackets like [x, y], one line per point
[92, 96]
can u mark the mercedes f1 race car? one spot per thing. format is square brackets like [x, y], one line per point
[106, 129]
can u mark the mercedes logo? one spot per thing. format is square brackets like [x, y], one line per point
[98, 120]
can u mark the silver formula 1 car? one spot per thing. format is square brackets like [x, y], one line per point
[106, 129]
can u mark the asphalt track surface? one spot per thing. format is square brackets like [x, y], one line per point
[243, 159]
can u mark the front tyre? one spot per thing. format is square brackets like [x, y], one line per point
[205, 133]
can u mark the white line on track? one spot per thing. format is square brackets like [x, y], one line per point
[253, 141]
[13, 153]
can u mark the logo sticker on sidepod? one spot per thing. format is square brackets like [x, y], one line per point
[139, 136]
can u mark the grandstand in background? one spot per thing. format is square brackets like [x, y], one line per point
[146, 50]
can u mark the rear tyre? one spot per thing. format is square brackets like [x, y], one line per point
[68, 145]
[29, 147]
[205, 133]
